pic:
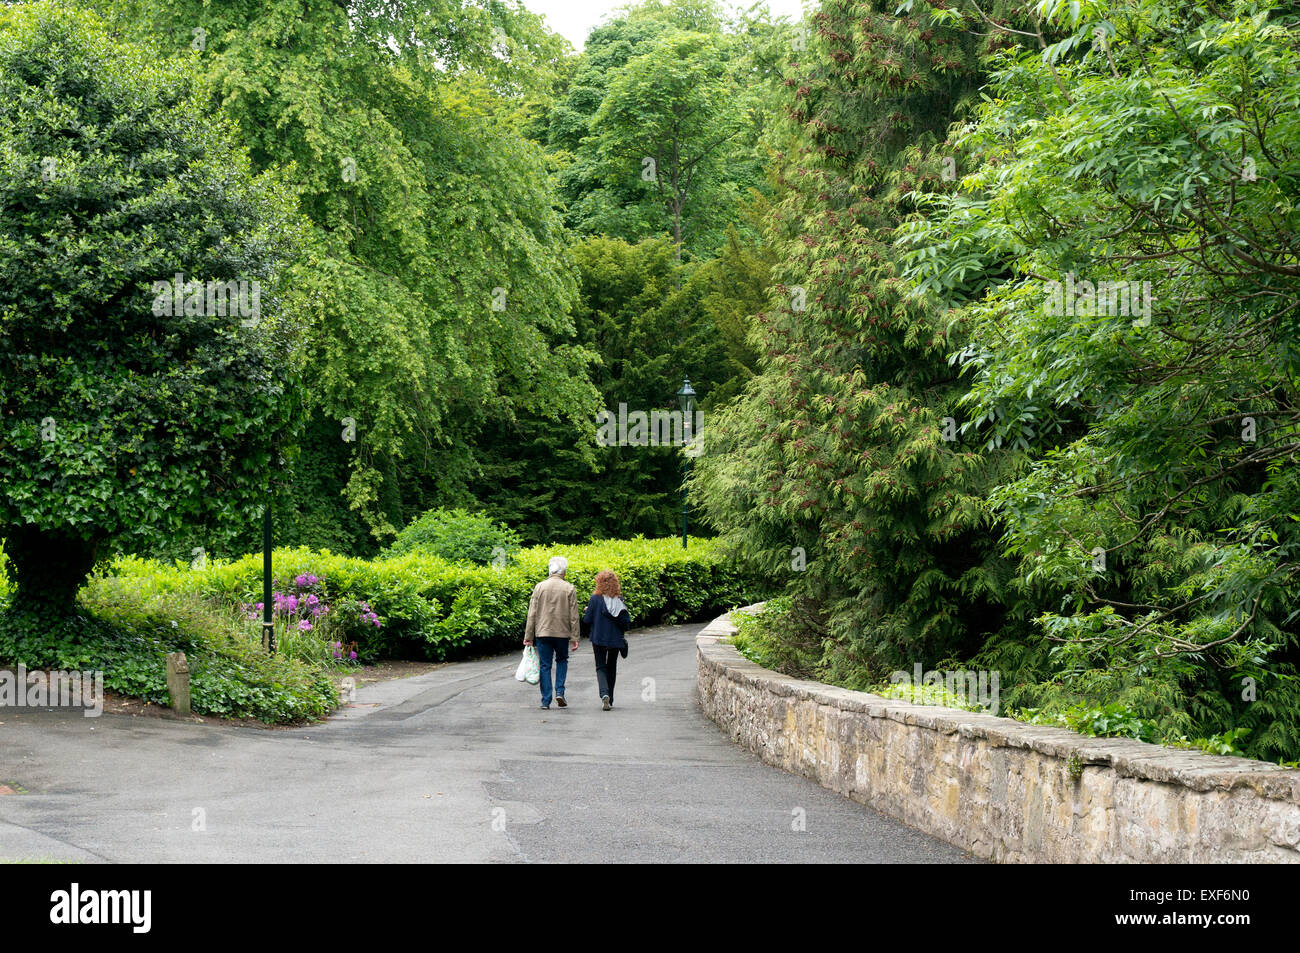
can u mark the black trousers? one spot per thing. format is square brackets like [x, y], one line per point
[606, 669]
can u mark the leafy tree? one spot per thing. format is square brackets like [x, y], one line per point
[1125, 252]
[669, 115]
[653, 322]
[832, 471]
[127, 411]
[556, 482]
[434, 273]
[665, 74]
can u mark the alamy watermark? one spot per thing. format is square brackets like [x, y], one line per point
[53, 689]
[131, 908]
[656, 428]
[981, 688]
[1082, 298]
[178, 297]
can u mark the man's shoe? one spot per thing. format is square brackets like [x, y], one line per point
[559, 700]
[546, 708]
[605, 703]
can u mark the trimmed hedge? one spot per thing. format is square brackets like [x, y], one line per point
[433, 609]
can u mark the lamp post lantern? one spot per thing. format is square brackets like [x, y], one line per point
[686, 400]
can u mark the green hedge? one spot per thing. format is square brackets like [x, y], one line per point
[432, 609]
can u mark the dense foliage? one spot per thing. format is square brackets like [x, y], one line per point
[1026, 398]
[1152, 154]
[458, 537]
[653, 322]
[832, 470]
[434, 271]
[990, 309]
[128, 413]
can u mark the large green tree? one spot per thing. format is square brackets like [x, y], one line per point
[1125, 250]
[133, 401]
[668, 118]
[435, 279]
[833, 471]
[679, 84]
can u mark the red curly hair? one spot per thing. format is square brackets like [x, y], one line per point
[607, 584]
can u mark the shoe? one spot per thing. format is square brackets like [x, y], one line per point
[546, 708]
[559, 700]
[605, 703]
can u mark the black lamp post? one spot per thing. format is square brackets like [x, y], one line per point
[686, 400]
[268, 627]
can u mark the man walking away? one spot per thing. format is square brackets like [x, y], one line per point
[553, 628]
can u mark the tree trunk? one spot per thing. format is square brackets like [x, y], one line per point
[48, 567]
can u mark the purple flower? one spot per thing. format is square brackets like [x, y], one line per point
[312, 600]
[304, 626]
[353, 656]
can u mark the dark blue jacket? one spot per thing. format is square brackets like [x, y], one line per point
[606, 630]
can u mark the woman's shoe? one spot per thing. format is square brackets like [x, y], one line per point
[605, 703]
[559, 700]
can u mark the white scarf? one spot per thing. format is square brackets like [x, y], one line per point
[614, 605]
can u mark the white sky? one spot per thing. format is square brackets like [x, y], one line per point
[575, 18]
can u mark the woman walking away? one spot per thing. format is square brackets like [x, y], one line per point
[608, 617]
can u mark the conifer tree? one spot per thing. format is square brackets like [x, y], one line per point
[842, 466]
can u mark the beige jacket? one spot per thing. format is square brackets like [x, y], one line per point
[552, 611]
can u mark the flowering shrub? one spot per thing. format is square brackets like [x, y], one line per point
[308, 627]
[126, 627]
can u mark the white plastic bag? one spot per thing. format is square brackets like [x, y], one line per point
[530, 666]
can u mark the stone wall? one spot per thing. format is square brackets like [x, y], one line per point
[1002, 789]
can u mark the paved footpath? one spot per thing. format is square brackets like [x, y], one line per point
[459, 764]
